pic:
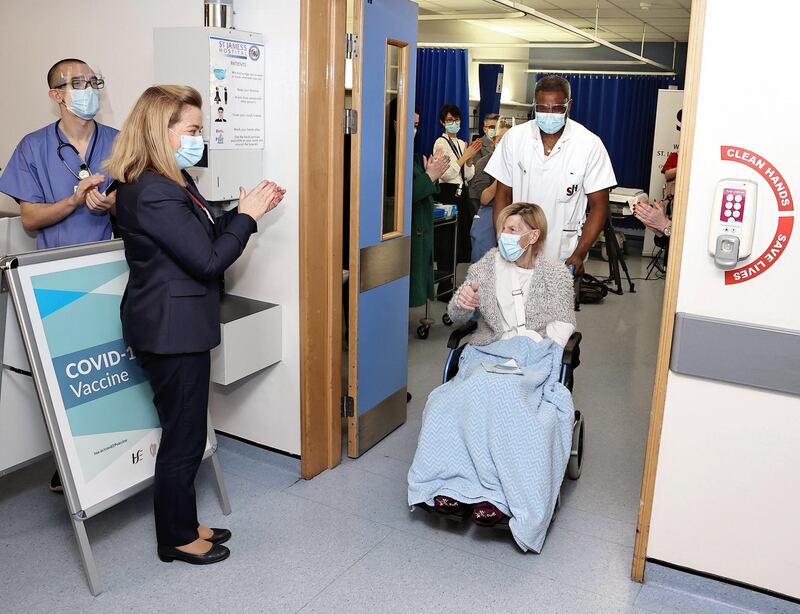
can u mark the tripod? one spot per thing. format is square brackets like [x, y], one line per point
[615, 259]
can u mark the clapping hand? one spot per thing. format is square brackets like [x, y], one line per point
[652, 215]
[468, 297]
[85, 186]
[98, 202]
[473, 149]
[261, 199]
[436, 165]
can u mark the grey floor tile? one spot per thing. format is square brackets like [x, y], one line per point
[284, 552]
[576, 559]
[408, 574]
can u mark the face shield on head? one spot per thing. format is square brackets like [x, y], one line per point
[81, 90]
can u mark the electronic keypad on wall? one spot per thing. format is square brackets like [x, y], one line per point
[733, 221]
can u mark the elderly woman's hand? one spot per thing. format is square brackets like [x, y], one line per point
[261, 199]
[468, 297]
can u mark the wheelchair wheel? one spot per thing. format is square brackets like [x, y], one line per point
[423, 331]
[446, 320]
[575, 464]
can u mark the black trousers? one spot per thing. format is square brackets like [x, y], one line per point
[180, 394]
[443, 252]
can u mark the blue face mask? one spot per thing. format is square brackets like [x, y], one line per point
[190, 151]
[84, 103]
[452, 127]
[550, 123]
[509, 247]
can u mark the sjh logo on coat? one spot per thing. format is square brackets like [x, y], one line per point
[137, 457]
[571, 190]
[153, 449]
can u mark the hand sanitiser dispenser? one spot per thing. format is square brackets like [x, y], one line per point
[733, 221]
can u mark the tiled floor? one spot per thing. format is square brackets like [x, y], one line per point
[346, 541]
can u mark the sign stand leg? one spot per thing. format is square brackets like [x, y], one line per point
[85, 549]
[222, 490]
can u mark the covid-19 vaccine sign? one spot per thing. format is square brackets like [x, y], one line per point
[236, 94]
[100, 396]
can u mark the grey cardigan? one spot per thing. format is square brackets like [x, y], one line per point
[550, 298]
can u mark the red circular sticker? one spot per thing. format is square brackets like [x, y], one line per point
[783, 197]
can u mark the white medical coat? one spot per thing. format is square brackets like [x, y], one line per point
[558, 183]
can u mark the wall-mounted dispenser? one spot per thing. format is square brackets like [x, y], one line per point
[733, 221]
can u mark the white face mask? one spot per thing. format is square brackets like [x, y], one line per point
[491, 132]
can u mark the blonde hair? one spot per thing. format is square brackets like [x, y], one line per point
[143, 143]
[532, 215]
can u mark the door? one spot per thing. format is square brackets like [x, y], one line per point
[384, 59]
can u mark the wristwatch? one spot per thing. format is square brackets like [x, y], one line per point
[667, 230]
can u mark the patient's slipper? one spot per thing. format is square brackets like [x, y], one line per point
[487, 515]
[446, 505]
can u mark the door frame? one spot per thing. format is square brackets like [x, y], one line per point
[679, 206]
[323, 26]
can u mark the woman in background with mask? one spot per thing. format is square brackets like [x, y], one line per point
[177, 252]
[453, 187]
[495, 445]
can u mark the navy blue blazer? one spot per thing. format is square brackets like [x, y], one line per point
[176, 257]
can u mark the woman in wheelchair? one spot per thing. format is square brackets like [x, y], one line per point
[495, 440]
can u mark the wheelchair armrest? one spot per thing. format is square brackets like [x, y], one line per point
[458, 334]
[572, 351]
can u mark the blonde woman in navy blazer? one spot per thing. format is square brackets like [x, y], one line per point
[177, 252]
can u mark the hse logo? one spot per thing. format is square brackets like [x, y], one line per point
[785, 205]
[571, 190]
[92, 373]
[137, 457]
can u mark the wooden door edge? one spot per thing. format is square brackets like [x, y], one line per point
[355, 253]
[322, 59]
[691, 87]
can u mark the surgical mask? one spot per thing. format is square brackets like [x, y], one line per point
[491, 133]
[550, 123]
[509, 247]
[84, 103]
[452, 127]
[190, 151]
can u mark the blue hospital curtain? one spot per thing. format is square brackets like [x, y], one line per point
[621, 110]
[442, 78]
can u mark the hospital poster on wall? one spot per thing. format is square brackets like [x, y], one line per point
[667, 136]
[236, 94]
[101, 398]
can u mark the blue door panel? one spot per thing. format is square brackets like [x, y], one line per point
[382, 311]
[382, 343]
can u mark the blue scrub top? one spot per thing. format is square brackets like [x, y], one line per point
[36, 174]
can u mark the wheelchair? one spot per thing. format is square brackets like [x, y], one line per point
[570, 361]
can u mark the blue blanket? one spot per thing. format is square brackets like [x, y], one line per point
[505, 439]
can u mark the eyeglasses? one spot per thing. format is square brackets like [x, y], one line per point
[552, 108]
[80, 83]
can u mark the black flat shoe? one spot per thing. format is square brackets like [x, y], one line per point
[219, 536]
[215, 555]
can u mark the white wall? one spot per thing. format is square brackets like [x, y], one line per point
[265, 408]
[117, 37]
[726, 498]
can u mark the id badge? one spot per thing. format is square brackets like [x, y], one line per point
[458, 191]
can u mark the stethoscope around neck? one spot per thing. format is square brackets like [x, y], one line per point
[84, 171]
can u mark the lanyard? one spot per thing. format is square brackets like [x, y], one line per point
[456, 150]
[203, 207]
[84, 170]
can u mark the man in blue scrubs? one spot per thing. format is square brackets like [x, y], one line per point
[54, 173]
